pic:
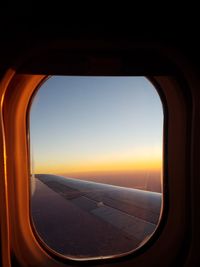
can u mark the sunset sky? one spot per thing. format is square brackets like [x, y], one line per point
[81, 125]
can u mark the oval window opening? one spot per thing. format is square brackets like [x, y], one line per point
[96, 164]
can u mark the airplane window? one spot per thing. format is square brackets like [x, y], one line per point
[96, 164]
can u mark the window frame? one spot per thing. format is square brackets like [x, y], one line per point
[17, 88]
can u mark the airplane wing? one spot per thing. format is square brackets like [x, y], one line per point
[83, 218]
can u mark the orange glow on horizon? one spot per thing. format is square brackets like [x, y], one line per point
[115, 166]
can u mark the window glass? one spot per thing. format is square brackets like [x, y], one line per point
[96, 164]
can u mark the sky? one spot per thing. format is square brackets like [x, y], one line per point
[91, 125]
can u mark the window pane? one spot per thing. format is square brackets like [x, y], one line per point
[96, 164]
